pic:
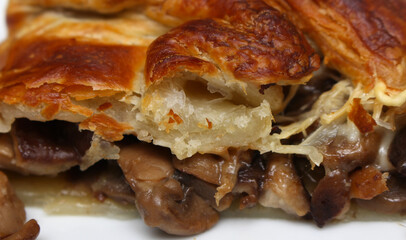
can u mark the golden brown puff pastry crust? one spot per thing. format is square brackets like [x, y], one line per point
[252, 42]
[52, 72]
[63, 64]
[254, 53]
[70, 62]
[55, 59]
[364, 39]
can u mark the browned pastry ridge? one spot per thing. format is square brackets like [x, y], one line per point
[253, 42]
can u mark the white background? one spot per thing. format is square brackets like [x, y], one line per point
[234, 225]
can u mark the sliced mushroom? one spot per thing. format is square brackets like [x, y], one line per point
[206, 167]
[45, 148]
[282, 187]
[397, 151]
[331, 198]
[250, 182]
[214, 169]
[233, 161]
[104, 180]
[161, 200]
[29, 231]
[205, 190]
[345, 155]
[310, 175]
[308, 93]
[12, 213]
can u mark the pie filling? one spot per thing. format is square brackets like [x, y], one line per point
[185, 196]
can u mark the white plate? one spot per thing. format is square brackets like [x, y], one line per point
[242, 226]
[235, 225]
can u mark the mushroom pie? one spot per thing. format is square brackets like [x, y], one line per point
[183, 108]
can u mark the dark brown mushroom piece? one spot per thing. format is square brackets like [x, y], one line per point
[29, 231]
[342, 154]
[46, 148]
[391, 201]
[219, 170]
[161, 200]
[331, 198]
[233, 161]
[282, 187]
[250, 182]
[206, 167]
[310, 175]
[104, 179]
[397, 151]
[205, 190]
[12, 213]
[307, 94]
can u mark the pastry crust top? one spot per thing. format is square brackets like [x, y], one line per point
[63, 63]
[85, 57]
[364, 39]
[69, 62]
[248, 40]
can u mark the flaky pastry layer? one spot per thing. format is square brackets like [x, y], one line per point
[204, 86]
